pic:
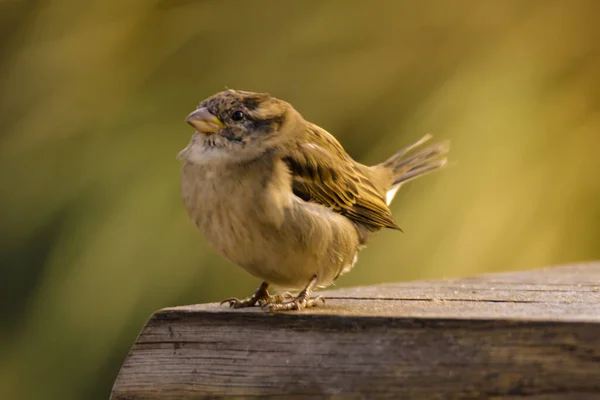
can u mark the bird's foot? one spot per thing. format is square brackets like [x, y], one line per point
[261, 298]
[300, 302]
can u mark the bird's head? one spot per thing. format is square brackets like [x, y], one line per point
[236, 126]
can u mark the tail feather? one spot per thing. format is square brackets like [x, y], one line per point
[390, 162]
[406, 167]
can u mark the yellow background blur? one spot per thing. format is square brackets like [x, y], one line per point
[94, 236]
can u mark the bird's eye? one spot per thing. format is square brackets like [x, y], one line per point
[238, 115]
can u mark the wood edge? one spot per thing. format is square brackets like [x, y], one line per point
[207, 310]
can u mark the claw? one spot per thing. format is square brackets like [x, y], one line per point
[261, 297]
[237, 303]
[280, 302]
[300, 302]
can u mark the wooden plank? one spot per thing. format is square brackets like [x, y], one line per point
[531, 334]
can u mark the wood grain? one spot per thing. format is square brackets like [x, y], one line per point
[532, 334]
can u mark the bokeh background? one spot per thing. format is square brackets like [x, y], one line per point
[94, 236]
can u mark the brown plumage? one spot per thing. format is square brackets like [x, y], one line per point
[326, 174]
[280, 197]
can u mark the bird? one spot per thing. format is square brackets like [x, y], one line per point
[280, 197]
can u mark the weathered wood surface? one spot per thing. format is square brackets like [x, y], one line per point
[519, 335]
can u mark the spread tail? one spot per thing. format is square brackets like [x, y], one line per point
[405, 166]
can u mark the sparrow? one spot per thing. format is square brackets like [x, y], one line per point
[280, 197]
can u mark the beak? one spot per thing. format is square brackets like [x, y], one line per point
[203, 121]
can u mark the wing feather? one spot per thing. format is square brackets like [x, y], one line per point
[323, 173]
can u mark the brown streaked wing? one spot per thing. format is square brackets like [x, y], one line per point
[323, 173]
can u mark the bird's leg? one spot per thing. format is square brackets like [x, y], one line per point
[261, 297]
[303, 300]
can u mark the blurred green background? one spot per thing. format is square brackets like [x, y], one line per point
[94, 236]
